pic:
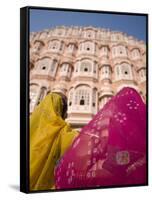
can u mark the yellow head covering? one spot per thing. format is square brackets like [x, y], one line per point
[50, 137]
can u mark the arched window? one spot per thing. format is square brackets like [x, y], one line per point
[86, 66]
[105, 72]
[71, 48]
[44, 64]
[123, 71]
[88, 47]
[66, 70]
[65, 67]
[135, 53]
[38, 46]
[104, 51]
[54, 45]
[126, 71]
[89, 34]
[82, 95]
[119, 51]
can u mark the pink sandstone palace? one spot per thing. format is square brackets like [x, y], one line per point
[87, 64]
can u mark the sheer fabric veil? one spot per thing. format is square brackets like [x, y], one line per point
[111, 149]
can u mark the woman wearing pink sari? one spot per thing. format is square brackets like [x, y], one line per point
[111, 149]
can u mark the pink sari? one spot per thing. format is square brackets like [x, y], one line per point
[111, 149]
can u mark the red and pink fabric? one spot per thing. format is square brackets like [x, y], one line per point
[111, 149]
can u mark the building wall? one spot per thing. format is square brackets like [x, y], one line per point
[89, 65]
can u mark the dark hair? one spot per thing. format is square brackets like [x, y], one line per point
[64, 103]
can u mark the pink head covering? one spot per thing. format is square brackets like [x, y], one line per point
[111, 149]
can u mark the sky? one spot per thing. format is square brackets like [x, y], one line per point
[134, 25]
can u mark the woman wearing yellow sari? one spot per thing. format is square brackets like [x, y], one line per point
[50, 137]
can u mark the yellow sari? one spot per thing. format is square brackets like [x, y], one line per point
[50, 137]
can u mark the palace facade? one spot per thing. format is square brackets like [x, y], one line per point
[87, 64]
